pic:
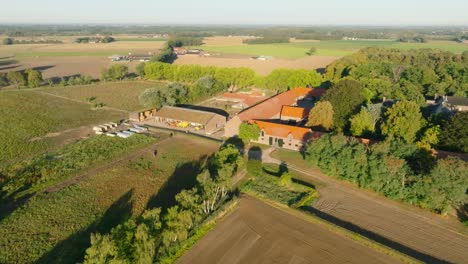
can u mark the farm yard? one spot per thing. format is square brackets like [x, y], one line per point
[55, 227]
[259, 233]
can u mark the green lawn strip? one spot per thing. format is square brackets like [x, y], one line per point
[340, 231]
[201, 231]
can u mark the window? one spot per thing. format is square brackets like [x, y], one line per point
[263, 133]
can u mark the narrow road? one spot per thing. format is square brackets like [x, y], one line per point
[418, 233]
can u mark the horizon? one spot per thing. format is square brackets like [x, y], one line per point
[398, 13]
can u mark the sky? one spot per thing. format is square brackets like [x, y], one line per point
[239, 12]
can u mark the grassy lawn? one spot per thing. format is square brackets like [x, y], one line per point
[337, 48]
[28, 114]
[121, 95]
[55, 228]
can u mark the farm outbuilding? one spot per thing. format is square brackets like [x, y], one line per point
[189, 119]
[142, 115]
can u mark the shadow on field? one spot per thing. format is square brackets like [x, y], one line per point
[462, 212]
[183, 177]
[72, 249]
[7, 62]
[375, 237]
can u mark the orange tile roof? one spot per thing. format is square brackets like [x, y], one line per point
[272, 106]
[294, 111]
[280, 130]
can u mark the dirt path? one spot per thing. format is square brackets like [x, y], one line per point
[410, 230]
[259, 233]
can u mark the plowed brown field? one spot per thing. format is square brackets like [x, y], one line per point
[259, 233]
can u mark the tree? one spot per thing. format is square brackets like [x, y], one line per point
[311, 51]
[454, 134]
[429, 138]
[165, 55]
[174, 93]
[403, 120]
[107, 39]
[346, 98]
[16, 78]
[362, 124]
[447, 185]
[8, 41]
[248, 132]
[34, 78]
[140, 69]
[321, 116]
[285, 179]
[115, 72]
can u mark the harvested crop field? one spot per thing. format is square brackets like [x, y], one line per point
[65, 66]
[259, 233]
[261, 67]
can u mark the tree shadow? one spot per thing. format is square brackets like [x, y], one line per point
[184, 177]
[374, 236]
[72, 249]
[236, 141]
[7, 62]
[255, 153]
[462, 212]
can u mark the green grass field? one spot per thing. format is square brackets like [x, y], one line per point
[122, 95]
[55, 228]
[27, 114]
[337, 48]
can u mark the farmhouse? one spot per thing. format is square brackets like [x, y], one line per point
[451, 104]
[284, 136]
[271, 108]
[189, 119]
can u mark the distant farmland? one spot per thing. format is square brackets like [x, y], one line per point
[338, 48]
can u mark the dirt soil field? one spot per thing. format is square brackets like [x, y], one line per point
[65, 66]
[415, 232]
[261, 67]
[259, 233]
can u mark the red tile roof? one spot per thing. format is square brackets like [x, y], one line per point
[280, 130]
[272, 106]
[294, 111]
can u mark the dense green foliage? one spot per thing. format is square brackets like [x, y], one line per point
[240, 77]
[67, 161]
[346, 98]
[321, 116]
[397, 170]
[403, 120]
[284, 79]
[156, 235]
[362, 124]
[114, 72]
[248, 132]
[454, 134]
[409, 75]
[171, 94]
[184, 40]
[7, 41]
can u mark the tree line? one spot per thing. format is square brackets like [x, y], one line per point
[279, 79]
[346, 109]
[11, 41]
[158, 234]
[27, 78]
[394, 168]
